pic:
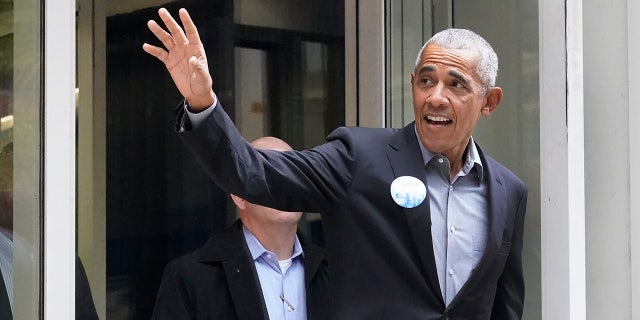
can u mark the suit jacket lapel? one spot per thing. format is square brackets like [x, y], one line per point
[497, 212]
[496, 206]
[230, 248]
[313, 257]
[406, 160]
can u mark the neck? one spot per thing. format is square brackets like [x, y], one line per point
[278, 239]
[455, 168]
[457, 160]
[455, 164]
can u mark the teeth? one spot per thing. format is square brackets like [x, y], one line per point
[438, 119]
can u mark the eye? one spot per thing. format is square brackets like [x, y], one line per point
[425, 81]
[457, 84]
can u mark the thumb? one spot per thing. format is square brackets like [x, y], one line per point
[200, 77]
[200, 83]
[199, 64]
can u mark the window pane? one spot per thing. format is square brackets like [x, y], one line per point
[158, 202]
[512, 133]
[20, 124]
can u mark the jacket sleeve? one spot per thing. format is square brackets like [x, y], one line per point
[509, 299]
[309, 180]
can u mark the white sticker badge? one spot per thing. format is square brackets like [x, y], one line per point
[408, 192]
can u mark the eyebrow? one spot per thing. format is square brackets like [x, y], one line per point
[459, 77]
[454, 74]
[426, 69]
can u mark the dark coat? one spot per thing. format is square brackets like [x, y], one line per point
[5, 306]
[382, 260]
[219, 281]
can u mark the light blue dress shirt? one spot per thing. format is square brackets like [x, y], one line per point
[197, 118]
[282, 282]
[459, 218]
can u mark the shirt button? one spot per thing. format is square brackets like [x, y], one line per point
[453, 229]
[450, 272]
[440, 160]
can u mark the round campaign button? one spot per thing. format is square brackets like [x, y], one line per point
[408, 192]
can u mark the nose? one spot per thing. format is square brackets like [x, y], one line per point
[437, 96]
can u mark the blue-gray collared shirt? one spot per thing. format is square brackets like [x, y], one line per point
[282, 282]
[459, 218]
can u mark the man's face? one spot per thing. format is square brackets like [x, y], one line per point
[447, 99]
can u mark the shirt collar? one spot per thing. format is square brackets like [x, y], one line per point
[472, 156]
[257, 250]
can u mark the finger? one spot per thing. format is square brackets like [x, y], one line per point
[176, 31]
[157, 52]
[189, 27]
[162, 35]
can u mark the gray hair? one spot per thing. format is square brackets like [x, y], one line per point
[464, 39]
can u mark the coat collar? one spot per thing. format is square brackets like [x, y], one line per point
[313, 258]
[496, 203]
[230, 249]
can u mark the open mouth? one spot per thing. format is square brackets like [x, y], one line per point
[437, 120]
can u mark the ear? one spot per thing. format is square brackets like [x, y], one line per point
[240, 203]
[493, 100]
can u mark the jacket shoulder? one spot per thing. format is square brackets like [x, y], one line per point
[509, 177]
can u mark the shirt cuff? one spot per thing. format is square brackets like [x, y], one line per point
[197, 118]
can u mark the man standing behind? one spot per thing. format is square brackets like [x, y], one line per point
[419, 222]
[256, 269]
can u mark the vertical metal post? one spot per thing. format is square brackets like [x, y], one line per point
[59, 159]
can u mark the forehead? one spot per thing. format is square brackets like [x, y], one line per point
[436, 56]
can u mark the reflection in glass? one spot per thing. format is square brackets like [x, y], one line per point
[159, 203]
[20, 75]
[6, 164]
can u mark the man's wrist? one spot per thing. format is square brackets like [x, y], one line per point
[199, 104]
[195, 118]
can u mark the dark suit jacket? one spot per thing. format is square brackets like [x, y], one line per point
[219, 281]
[382, 260]
[85, 308]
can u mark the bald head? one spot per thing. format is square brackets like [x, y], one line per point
[270, 143]
[275, 229]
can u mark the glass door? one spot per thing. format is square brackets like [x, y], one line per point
[20, 159]
[142, 198]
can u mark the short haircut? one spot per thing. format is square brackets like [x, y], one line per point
[487, 68]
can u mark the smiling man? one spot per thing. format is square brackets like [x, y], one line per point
[449, 96]
[419, 223]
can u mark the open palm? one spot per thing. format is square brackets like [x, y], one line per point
[184, 57]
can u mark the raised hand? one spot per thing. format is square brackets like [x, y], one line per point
[184, 57]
